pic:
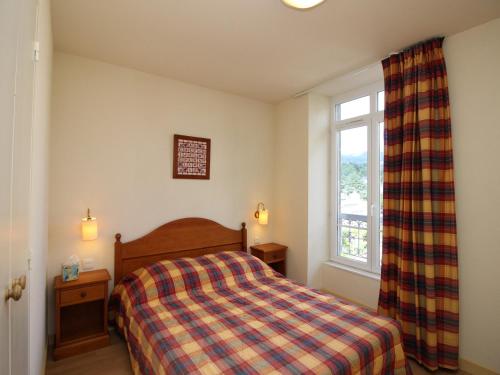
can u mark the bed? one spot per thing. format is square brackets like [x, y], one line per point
[188, 299]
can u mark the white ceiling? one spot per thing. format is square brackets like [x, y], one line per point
[256, 48]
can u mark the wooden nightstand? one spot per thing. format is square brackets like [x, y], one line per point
[81, 315]
[272, 254]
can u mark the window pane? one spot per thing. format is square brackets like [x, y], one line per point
[353, 108]
[380, 100]
[353, 194]
[381, 160]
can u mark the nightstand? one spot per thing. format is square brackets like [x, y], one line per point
[81, 316]
[272, 254]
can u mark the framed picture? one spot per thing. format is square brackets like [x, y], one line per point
[191, 157]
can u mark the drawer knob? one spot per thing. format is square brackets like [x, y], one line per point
[83, 294]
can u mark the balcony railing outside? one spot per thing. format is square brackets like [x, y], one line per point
[353, 230]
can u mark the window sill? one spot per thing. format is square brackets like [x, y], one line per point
[357, 271]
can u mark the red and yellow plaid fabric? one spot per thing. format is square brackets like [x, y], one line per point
[419, 284]
[230, 313]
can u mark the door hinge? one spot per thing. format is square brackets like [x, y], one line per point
[36, 51]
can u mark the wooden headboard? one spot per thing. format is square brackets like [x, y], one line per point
[190, 237]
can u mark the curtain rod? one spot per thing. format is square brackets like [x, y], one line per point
[413, 46]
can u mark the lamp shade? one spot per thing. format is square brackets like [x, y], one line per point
[263, 217]
[89, 228]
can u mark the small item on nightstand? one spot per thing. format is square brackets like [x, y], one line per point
[273, 254]
[71, 269]
[87, 264]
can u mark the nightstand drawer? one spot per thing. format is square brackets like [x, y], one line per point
[83, 294]
[274, 256]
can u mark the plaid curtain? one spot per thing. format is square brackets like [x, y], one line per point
[419, 281]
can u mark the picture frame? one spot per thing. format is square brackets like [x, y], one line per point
[191, 159]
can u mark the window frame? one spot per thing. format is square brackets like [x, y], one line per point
[372, 120]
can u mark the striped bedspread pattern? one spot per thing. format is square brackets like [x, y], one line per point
[229, 313]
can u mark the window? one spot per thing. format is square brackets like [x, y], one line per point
[353, 108]
[380, 100]
[357, 172]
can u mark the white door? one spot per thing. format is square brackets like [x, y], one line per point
[17, 30]
[8, 46]
[21, 182]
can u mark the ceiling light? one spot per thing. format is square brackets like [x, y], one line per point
[302, 4]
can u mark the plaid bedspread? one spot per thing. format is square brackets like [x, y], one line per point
[230, 313]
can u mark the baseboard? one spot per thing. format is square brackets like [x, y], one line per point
[473, 368]
[465, 365]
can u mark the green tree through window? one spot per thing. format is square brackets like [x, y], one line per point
[353, 179]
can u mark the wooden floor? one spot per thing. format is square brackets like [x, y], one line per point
[114, 360]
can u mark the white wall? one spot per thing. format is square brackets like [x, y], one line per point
[359, 288]
[473, 62]
[472, 59]
[111, 150]
[40, 194]
[291, 183]
[319, 187]
[301, 185]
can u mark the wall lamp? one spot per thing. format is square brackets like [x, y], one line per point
[89, 227]
[262, 215]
